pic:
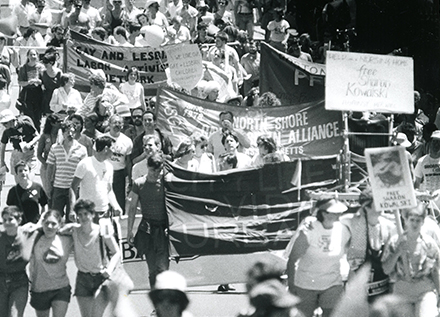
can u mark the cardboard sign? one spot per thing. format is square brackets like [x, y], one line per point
[390, 178]
[185, 63]
[369, 82]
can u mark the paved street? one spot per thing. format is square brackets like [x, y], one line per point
[205, 300]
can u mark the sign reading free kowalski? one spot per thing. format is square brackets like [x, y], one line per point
[369, 82]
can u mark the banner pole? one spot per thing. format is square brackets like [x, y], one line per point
[400, 232]
[346, 155]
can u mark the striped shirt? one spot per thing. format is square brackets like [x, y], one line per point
[65, 163]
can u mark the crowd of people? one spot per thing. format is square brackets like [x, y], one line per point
[104, 155]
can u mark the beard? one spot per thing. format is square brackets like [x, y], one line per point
[137, 123]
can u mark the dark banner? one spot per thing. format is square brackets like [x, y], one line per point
[302, 131]
[232, 212]
[85, 53]
[293, 80]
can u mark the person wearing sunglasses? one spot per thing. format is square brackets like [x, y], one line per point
[206, 160]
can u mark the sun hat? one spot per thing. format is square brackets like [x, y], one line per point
[436, 135]
[6, 116]
[272, 293]
[402, 139]
[172, 284]
[123, 111]
[331, 205]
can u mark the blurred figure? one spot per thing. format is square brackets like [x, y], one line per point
[185, 156]
[206, 160]
[168, 295]
[278, 30]
[391, 306]
[267, 152]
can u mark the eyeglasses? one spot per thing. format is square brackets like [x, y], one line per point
[136, 117]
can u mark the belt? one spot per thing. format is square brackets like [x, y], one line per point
[90, 273]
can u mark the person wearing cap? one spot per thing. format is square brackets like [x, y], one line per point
[133, 90]
[22, 134]
[271, 299]
[168, 295]
[65, 95]
[313, 267]
[370, 231]
[120, 159]
[61, 163]
[413, 145]
[427, 177]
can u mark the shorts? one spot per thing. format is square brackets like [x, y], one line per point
[87, 284]
[312, 299]
[43, 300]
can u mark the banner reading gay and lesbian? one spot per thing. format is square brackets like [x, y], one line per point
[293, 80]
[85, 53]
[303, 131]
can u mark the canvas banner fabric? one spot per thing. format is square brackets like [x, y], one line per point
[233, 212]
[293, 80]
[302, 131]
[85, 53]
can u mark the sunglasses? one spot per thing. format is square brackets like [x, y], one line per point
[136, 117]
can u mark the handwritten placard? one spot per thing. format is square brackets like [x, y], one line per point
[369, 82]
[185, 63]
[390, 178]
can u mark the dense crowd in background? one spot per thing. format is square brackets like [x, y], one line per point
[103, 154]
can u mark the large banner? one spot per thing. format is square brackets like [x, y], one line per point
[293, 80]
[84, 53]
[232, 212]
[303, 131]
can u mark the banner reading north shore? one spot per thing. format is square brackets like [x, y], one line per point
[302, 131]
[85, 53]
[232, 212]
[293, 80]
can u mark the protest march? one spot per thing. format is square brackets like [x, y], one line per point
[284, 151]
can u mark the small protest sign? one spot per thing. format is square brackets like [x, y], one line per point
[390, 178]
[185, 63]
[369, 82]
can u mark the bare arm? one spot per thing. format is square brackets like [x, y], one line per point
[298, 250]
[40, 149]
[115, 257]
[133, 199]
[112, 200]
[2, 154]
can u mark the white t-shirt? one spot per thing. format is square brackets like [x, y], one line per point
[319, 268]
[278, 30]
[428, 169]
[96, 177]
[139, 169]
[121, 149]
[133, 93]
